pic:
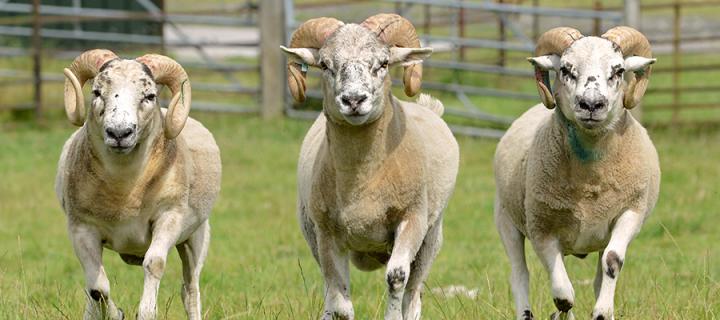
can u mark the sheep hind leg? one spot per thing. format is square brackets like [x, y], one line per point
[419, 271]
[87, 244]
[625, 229]
[192, 253]
[514, 243]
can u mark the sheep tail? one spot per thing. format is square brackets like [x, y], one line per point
[431, 103]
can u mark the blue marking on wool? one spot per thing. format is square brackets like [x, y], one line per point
[581, 152]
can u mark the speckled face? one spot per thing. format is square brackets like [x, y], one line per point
[589, 82]
[354, 64]
[124, 96]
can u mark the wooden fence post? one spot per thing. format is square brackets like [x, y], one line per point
[272, 35]
[632, 19]
[37, 59]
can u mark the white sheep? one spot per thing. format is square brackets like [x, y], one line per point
[582, 178]
[132, 180]
[375, 173]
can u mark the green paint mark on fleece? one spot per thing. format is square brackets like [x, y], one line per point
[581, 152]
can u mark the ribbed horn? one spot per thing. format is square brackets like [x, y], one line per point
[310, 34]
[168, 72]
[553, 41]
[86, 66]
[632, 43]
[397, 31]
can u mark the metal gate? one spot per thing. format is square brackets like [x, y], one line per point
[478, 70]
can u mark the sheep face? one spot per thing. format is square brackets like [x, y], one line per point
[124, 100]
[354, 64]
[354, 67]
[589, 84]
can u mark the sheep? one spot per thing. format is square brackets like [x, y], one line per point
[375, 173]
[582, 178]
[134, 178]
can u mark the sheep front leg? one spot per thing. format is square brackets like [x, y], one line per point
[335, 269]
[626, 228]
[409, 237]
[166, 231]
[548, 250]
[192, 253]
[87, 244]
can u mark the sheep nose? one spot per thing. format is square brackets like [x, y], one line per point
[353, 100]
[119, 133]
[592, 104]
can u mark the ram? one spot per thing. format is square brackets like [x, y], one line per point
[581, 178]
[375, 173]
[134, 178]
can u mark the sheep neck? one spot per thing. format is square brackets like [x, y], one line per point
[356, 152]
[587, 146]
[124, 170]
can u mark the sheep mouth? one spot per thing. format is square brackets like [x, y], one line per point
[590, 120]
[121, 149]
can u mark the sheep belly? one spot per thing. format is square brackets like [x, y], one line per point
[580, 228]
[131, 236]
[365, 226]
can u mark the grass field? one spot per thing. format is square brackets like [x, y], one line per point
[259, 267]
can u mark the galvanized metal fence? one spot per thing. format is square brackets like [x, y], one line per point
[451, 27]
[215, 74]
[688, 41]
[231, 52]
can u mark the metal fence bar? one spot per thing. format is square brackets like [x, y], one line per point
[121, 14]
[475, 67]
[476, 90]
[82, 35]
[512, 8]
[480, 43]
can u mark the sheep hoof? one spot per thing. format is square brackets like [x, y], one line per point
[563, 305]
[96, 295]
[527, 315]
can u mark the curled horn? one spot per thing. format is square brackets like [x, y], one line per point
[310, 34]
[86, 66]
[632, 43]
[395, 30]
[553, 41]
[168, 72]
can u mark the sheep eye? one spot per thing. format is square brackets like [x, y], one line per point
[96, 93]
[618, 73]
[150, 97]
[384, 64]
[323, 66]
[566, 72]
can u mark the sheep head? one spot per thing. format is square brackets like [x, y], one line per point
[589, 86]
[354, 59]
[125, 96]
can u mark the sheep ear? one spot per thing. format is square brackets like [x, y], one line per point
[408, 56]
[309, 56]
[547, 62]
[638, 63]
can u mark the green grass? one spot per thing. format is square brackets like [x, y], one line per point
[259, 266]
